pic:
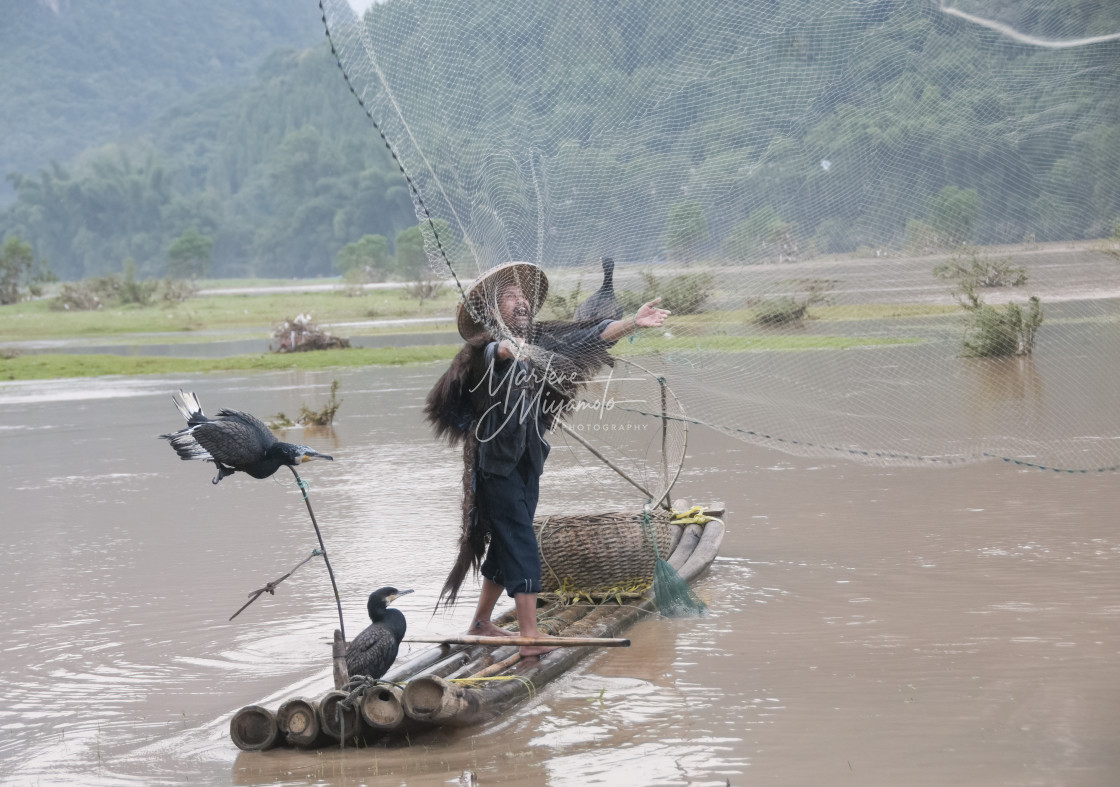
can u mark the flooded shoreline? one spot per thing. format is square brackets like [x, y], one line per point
[883, 624]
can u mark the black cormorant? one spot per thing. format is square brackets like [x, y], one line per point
[602, 304]
[374, 650]
[233, 441]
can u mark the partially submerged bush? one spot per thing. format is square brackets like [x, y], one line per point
[684, 294]
[308, 417]
[971, 269]
[788, 308]
[779, 311]
[992, 332]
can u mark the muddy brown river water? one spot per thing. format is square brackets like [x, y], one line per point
[868, 625]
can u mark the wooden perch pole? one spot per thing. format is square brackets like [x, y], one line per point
[330, 571]
[560, 642]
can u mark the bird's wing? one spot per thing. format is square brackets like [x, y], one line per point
[234, 439]
[251, 422]
[372, 652]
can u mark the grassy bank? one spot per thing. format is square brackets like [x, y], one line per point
[59, 365]
[231, 316]
[249, 315]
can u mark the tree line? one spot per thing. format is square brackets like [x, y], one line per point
[281, 175]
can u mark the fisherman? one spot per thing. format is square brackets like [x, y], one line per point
[500, 396]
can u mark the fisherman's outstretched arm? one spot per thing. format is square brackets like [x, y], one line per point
[648, 316]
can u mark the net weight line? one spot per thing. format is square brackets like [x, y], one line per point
[870, 453]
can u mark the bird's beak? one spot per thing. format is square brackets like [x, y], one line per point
[309, 457]
[398, 594]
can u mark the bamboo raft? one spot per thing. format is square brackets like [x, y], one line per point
[459, 685]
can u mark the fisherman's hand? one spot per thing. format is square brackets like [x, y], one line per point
[511, 348]
[650, 316]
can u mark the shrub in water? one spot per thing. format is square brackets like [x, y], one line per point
[997, 333]
[684, 294]
[787, 308]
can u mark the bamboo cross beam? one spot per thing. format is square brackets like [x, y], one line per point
[559, 642]
[497, 668]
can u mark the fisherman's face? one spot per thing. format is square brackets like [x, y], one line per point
[513, 306]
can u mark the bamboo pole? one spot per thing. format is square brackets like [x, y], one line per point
[496, 668]
[323, 547]
[485, 657]
[664, 439]
[705, 551]
[341, 724]
[685, 547]
[420, 661]
[253, 728]
[338, 660]
[559, 642]
[381, 708]
[298, 720]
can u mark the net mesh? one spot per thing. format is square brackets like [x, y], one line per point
[847, 205]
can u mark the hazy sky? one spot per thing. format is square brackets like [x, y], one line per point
[360, 5]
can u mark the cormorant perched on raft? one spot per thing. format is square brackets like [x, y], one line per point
[233, 441]
[602, 304]
[374, 650]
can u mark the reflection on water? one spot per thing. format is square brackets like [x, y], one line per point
[880, 625]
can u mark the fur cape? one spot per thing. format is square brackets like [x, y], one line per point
[452, 408]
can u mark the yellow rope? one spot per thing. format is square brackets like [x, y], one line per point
[693, 516]
[568, 594]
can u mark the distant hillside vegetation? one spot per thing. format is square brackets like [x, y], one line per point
[78, 73]
[280, 169]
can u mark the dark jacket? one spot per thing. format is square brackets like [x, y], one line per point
[510, 421]
[502, 409]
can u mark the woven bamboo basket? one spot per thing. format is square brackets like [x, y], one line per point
[594, 553]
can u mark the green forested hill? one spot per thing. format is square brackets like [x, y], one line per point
[78, 73]
[280, 172]
[281, 169]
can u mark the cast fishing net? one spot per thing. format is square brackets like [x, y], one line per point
[813, 187]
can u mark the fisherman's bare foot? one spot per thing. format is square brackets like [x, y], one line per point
[535, 650]
[484, 628]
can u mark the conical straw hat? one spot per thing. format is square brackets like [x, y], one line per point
[483, 296]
